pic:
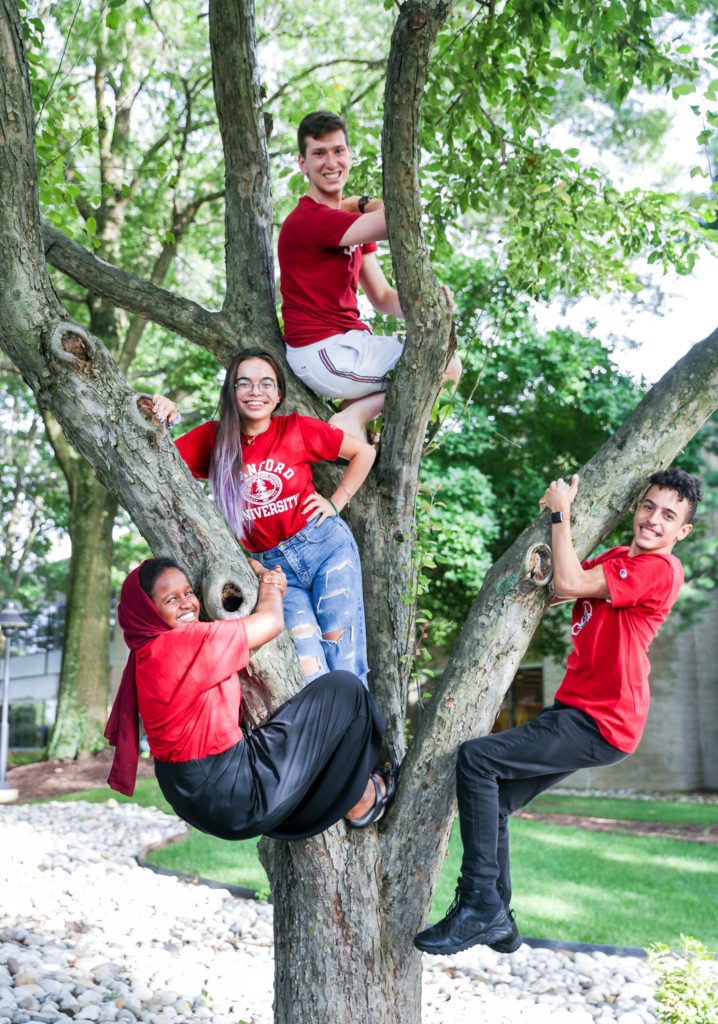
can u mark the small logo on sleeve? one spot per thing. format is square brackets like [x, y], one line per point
[587, 613]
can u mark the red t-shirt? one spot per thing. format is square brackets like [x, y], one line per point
[318, 279]
[188, 691]
[607, 672]
[276, 475]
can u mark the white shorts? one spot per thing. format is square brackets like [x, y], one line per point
[347, 365]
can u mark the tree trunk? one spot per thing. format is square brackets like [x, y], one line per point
[346, 903]
[249, 299]
[82, 699]
[76, 378]
[337, 956]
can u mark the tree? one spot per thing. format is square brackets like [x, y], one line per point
[33, 506]
[98, 204]
[346, 906]
[140, 190]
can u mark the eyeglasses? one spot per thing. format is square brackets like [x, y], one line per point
[266, 386]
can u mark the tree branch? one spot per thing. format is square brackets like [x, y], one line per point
[514, 596]
[383, 511]
[248, 203]
[428, 313]
[74, 376]
[192, 321]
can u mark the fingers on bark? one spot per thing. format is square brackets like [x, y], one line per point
[140, 408]
[226, 596]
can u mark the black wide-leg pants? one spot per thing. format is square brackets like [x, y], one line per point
[293, 776]
[500, 773]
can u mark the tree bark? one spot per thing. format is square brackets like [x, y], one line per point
[248, 190]
[346, 903]
[82, 695]
[385, 508]
[75, 377]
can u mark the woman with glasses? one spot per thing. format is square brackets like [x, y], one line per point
[259, 469]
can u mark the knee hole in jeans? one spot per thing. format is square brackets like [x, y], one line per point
[335, 635]
[305, 630]
[309, 666]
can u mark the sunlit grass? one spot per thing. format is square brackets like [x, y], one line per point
[603, 887]
[569, 883]
[147, 794]
[218, 859]
[626, 810]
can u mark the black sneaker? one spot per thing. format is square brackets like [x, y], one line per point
[466, 924]
[512, 942]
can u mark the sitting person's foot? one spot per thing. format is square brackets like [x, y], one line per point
[379, 793]
[512, 942]
[469, 921]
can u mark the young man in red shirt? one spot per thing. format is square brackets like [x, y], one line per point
[600, 709]
[327, 248]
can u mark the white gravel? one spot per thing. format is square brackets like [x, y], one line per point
[88, 935]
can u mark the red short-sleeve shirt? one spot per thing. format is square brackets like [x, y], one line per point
[318, 278]
[607, 672]
[276, 475]
[188, 690]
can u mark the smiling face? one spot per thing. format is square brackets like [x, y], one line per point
[326, 164]
[174, 599]
[659, 521]
[256, 393]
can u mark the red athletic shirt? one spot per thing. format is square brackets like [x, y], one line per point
[318, 279]
[188, 691]
[607, 672]
[276, 476]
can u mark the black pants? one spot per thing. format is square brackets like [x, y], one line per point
[292, 777]
[500, 773]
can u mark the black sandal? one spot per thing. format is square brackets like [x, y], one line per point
[389, 774]
[375, 811]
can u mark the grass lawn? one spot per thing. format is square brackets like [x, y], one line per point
[624, 890]
[569, 883]
[18, 757]
[626, 810]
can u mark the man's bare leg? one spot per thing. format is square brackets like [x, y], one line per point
[453, 370]
[355, 413]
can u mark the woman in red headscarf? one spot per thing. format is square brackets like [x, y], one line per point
[306, 766]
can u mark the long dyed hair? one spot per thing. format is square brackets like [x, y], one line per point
[225, 471]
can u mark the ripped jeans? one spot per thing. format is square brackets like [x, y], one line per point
[324, 597]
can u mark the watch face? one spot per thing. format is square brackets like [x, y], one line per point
[557, 517]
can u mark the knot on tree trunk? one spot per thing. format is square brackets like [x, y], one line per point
[417, 19]
[227, 597]
[144, 407]
[70, 343]
[537, 569]
[538, 563]
[140, 408]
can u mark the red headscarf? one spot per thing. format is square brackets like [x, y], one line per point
[140, 622]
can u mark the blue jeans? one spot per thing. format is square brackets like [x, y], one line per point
[324, 596]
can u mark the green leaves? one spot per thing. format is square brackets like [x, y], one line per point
[504, 90]
[113, 14]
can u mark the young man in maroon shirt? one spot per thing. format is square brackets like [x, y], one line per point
[327, 248]
[600, 709]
